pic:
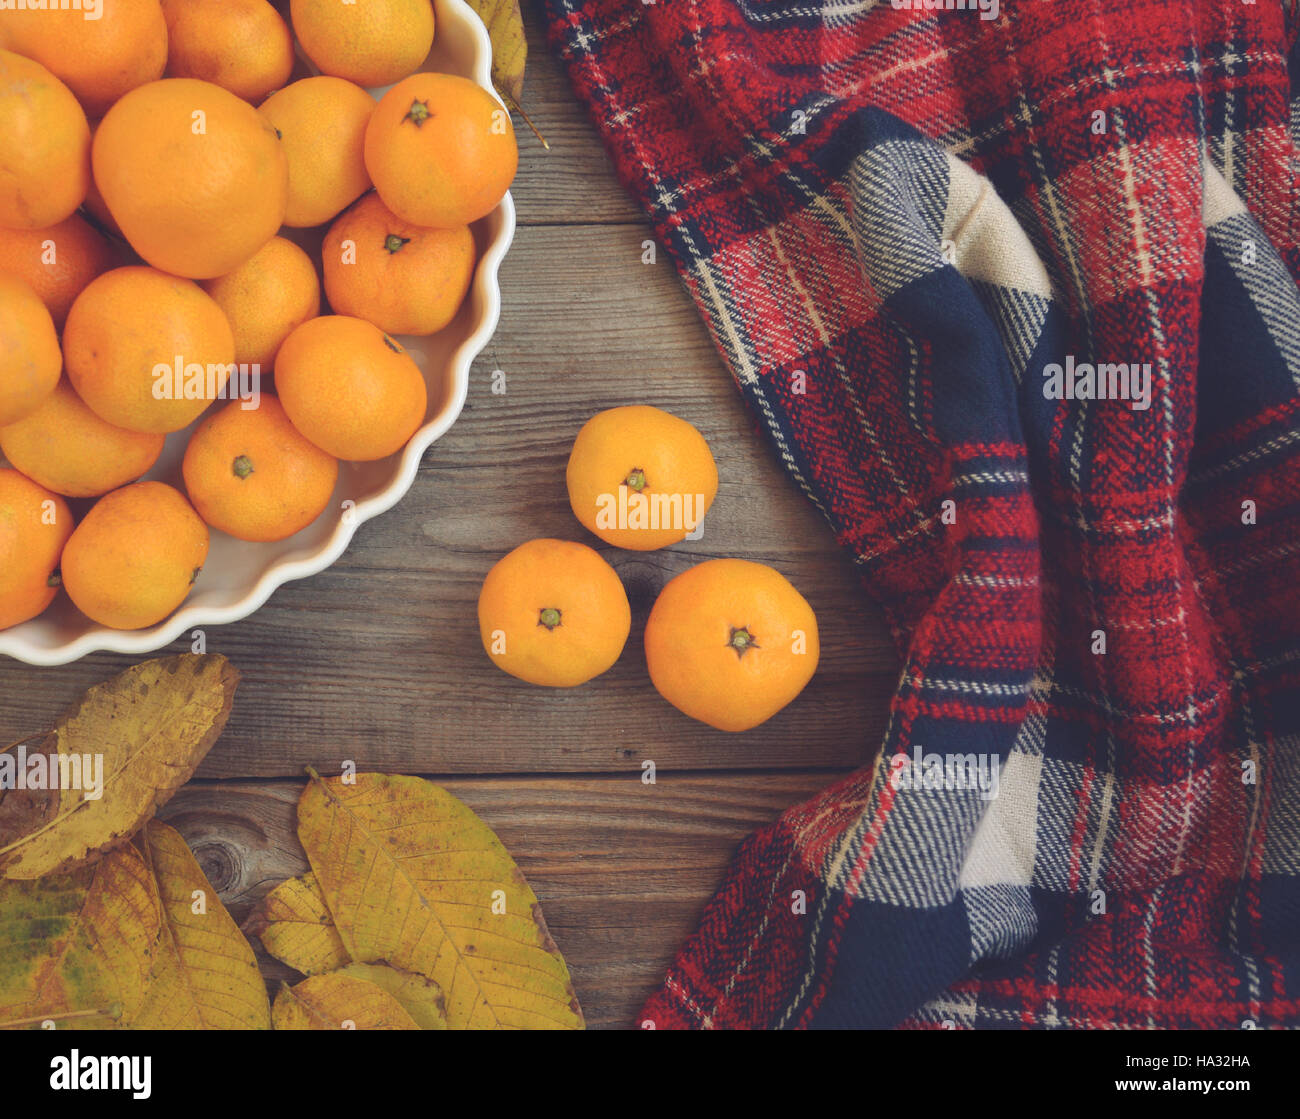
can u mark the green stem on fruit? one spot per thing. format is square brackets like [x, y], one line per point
[392, 243]
[550, 618]
[418, 113]
[741, 640]
[242, 467]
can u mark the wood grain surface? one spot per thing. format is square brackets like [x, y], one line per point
[378, 660]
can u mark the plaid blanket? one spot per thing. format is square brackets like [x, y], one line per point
[1012, 292]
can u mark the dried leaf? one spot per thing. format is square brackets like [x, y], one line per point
[79, 943]
[118, 943]
[505, 26]
[205, 975]
[295, 926]
[420, 997]
[338, 1002]
[24, 810]
[413, 878]
[150, 727]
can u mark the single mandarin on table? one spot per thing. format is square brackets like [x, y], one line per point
[553, 612]
[640, 477]
[730, 642]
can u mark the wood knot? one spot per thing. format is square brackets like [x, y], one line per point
[223, 865]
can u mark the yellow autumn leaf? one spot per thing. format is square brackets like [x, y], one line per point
[205, 975]
[79, 948]
[120, 943]
[122, 752]
[505, 26]
[413, 878]
[338, 1002]
[23, 809]
[294, 925]
[420, 996]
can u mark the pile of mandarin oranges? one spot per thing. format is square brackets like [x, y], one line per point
[163, 163]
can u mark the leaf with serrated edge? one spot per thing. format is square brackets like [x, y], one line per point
[153, 724]
[205, 974]
[419, 995]
[409, 873]
[79, 943]
[338, 1002]
[505, 25]
[294, 925]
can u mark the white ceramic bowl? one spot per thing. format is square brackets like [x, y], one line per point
[238, 577]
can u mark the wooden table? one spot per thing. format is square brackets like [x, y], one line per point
[378, 659]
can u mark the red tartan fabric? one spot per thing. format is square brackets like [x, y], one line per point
[895, 224]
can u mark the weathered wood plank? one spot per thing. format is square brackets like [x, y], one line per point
[622, 869]
[378, 659]
[574, 182]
